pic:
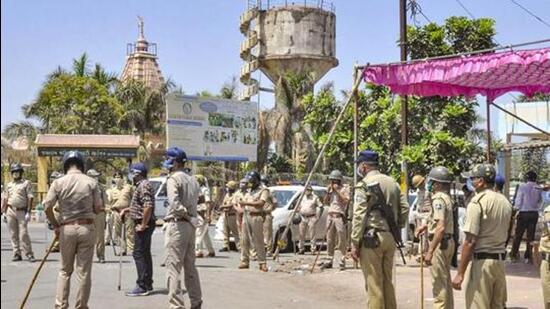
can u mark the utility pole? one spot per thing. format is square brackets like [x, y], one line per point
[404, 101]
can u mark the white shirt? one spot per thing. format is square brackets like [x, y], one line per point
[529, 197]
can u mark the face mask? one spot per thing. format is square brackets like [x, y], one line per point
[430, 186]
[470, 185]
[359, 172]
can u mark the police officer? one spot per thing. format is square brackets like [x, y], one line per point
[119, 199]
[269, 206]
[239, 196]
[55, 175]
[230, 217]
[253, 220]
[487, 219]
[440, 235]
[79, 199]
[100, 219]
[308, 210]
[338, 196]
[17, 206]
[183, 193]
[377, 257]
[204, 208]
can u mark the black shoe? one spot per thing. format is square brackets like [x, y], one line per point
[17, 258]
[31, 258]
[302, 252]
[224, 250]
[326, 265]
[149, 289]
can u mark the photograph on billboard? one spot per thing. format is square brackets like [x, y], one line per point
[212, 129]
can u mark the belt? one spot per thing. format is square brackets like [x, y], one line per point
[308, 216]
[255, 214]
[79, 222]
[446, 236]
[229, 214]
[545, 256]
[489, 256]
[175, 220]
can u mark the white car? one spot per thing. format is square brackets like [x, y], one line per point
[161, 200]
[287, 197]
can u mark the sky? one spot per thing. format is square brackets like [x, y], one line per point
[198, 41]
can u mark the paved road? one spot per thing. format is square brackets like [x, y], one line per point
[224, 286]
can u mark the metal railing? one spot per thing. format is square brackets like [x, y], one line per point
[270, 4]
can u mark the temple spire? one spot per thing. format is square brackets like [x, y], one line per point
[140, 26]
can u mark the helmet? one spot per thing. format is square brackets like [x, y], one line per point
[335, 175]
[16, 167]
[232, 185]
[487, 171]
[173, 155]
[500, 181]
[264, 180]
[138, 168]
[200, 179]
[253, 177]
[93, 173]
[73, 157]
[418, 180]
[440, 174]
[55, 174]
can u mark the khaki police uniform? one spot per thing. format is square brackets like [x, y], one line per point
[203, 241]
[253, 227]
[79, 200]
[442, 210]
[545, 258]
[99, 222]
[269, 206]
[18, 193]
[230, 220]
[336, 225]
[239, 196]
[183, 194]
[119, 199]
[377, 263]
[308, 211]
[487, 217]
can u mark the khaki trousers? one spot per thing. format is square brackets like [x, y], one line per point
[230, 228]
[377, 267]
[545, 278]
[99, 223]
[76, 245]
[268, 232]
[307, 231]
[180, 256]
[126, 244]
[203, 241]
[486, 284]
[442, 288]
[18, 229]
[337, 232]
[254, 225]
[109, 224]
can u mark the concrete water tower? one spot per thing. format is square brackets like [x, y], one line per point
[287, 38]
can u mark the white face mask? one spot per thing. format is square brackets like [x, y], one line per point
[359, 172]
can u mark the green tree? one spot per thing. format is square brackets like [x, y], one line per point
[441, 129]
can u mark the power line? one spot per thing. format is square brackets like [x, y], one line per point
[531, 13]
[466, 9]
[414, 7]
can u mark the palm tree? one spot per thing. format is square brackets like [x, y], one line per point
[80, 65]
[230, 89]
[18, 129]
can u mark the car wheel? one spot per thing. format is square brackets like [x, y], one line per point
[289, 246]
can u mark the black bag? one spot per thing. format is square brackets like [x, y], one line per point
[370, 239]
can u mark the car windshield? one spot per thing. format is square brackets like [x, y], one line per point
[156, 185]
[283, 196]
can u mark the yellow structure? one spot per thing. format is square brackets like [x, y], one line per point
[97, 146]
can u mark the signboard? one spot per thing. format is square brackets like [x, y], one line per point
[210, 129]
[89, 152]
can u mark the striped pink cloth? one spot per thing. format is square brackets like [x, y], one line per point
[491, 75]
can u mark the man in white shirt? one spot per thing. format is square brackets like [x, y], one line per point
[528, 201]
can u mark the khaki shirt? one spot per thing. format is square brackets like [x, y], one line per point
[269, 205]
[228, 202]
[394, 199]
[78, 195]
[336, 205]
[183, 195]
[441, 210]
[488, 217]
[204, 191]
[18, 193]
[309, 205]
[254, 196]
[120, 198]
[545, 237]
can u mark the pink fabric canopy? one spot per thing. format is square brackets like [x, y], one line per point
[492, 75]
